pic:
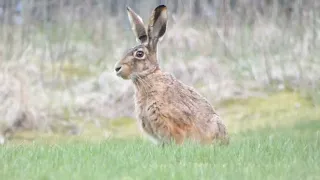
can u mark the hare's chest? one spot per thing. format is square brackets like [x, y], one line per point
[147, 120]
[144, 107]
[145, 115]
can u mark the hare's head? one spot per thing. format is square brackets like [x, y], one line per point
[141, 60]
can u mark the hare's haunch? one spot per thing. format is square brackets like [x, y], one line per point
[166, 108]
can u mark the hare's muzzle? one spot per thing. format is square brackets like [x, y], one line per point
[118, 69]
[122, 71]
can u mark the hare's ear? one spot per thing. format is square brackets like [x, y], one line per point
[157, 24]
[137, 26]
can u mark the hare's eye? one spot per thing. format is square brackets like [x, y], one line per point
[139, 54]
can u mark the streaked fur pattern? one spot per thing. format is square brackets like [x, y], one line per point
[166, 108]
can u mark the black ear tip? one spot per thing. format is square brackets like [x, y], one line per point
[128, 8]
[161, 7]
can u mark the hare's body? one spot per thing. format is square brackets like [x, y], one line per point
[166, 108]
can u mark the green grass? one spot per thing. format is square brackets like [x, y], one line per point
[276, 137]
[280, 153]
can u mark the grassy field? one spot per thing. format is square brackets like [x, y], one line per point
[273, 137]
[259, 69]
[270, 153]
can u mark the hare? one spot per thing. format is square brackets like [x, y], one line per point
[167, 109]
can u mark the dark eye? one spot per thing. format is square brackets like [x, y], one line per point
[139, 54]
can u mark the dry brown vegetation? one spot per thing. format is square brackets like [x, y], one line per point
[57, 65]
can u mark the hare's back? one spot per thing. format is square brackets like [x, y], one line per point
[187, 101]
[185, 107]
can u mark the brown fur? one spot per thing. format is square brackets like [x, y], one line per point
[167, 109]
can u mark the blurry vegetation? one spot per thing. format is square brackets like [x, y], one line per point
[276, 110]
[257, 61]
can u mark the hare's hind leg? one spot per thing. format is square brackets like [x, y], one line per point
[221, 138]
[218, 131]
[225, 139]
[215, 139]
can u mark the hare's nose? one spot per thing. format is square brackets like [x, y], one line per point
[117, 69]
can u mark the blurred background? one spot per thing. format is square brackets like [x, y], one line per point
[257, 62]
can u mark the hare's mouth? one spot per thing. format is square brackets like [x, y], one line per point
[118, 73]
[122, 75]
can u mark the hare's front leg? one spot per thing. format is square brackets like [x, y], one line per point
[168, 132]
[161, 127]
